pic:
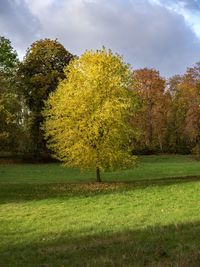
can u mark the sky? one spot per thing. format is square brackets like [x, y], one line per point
[160, 34]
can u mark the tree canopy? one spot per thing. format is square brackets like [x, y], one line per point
[167, 117]
[151, 119]
[88, 116]
[39, 74]
[8, 56]
[10, 107]
[188, 107]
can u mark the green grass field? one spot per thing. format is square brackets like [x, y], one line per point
[148, 216]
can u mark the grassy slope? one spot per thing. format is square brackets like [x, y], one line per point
[146, 223]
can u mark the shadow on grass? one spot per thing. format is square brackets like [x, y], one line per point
[172, 245]
[10, 192]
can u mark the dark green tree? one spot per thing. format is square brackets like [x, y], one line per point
[8, 56]
[10, 106]
[39, 74]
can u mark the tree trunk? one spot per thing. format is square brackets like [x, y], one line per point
[98, 175]
[160, 143]
[149, 123]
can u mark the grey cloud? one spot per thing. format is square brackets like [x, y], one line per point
[148, 35]
[17, 24]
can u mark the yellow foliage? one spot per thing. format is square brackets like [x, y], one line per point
[87, 117]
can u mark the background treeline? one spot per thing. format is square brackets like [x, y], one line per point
[167, 121]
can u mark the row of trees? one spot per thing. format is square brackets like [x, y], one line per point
[169, 118]
[168, 111]
[24, 86]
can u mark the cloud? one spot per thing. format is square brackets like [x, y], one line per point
[149, 33]
[189, 9]
[18, 24]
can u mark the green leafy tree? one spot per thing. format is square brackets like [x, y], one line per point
[8, 56]
[88, 116]
[10, 107]
[39, 74]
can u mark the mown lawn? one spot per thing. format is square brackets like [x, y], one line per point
[148, 167]
[149, 217]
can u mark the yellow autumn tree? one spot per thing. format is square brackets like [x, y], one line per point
[87, 117]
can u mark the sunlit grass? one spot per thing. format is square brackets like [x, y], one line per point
[147, 222]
